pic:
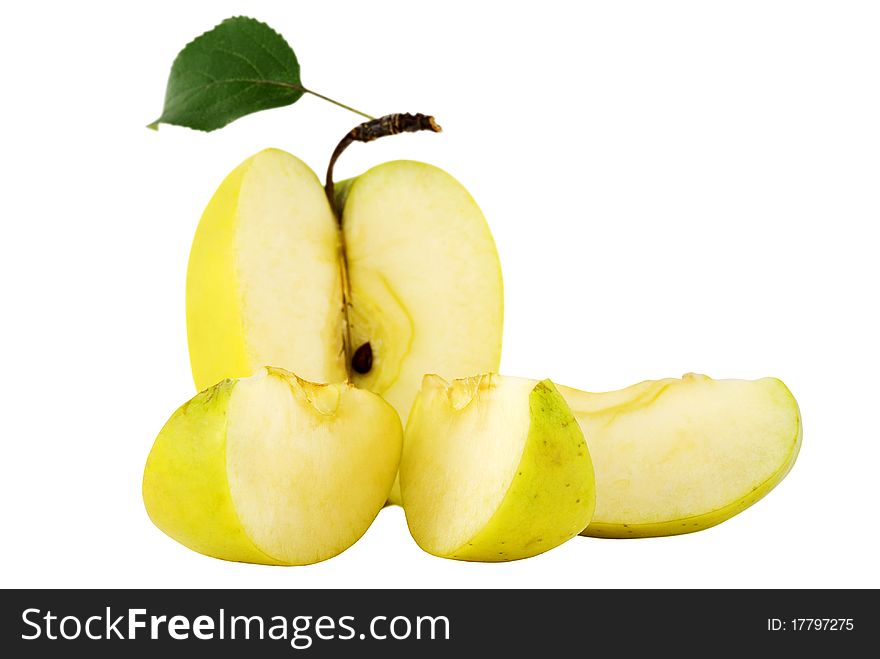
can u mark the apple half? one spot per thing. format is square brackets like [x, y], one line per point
[676, 456]
[270, 259]
[494, 469]
[273, 469]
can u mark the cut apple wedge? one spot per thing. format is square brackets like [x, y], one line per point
[426, 291]
[494, 469]
[676, 456]
[273, 469]
[265, 282]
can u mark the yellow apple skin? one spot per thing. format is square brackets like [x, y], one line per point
[185, 486]
[213, 314]
[680, 415]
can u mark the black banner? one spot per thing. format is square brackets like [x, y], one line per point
[318, 623]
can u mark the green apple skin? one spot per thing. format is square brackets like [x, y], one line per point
[185, 486]
[273, 469]
[494, 469]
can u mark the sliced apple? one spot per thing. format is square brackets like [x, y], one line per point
[425, 279]
[677, 456]
[494, 469]
[273, 469]
[264, 284]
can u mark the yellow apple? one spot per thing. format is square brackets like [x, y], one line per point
[273, 469]
[675, 456]
[494, 469]
[264, 285]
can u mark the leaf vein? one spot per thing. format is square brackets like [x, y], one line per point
[271, 54]
[186, 94]
[241, 57]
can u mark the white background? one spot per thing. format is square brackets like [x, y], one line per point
[673, 187]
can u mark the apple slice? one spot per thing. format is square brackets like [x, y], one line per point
[273, 469]
[677, 456]
[426, 286]
[265, 284]
[494, 469]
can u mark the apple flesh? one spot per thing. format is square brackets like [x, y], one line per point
[676, 456]
[273, 469]
[265, 284]
[494, 469]
[426, 289]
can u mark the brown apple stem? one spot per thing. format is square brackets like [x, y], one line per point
[361, 360]
[390, 124]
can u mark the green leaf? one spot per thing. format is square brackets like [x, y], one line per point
[240, 67]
